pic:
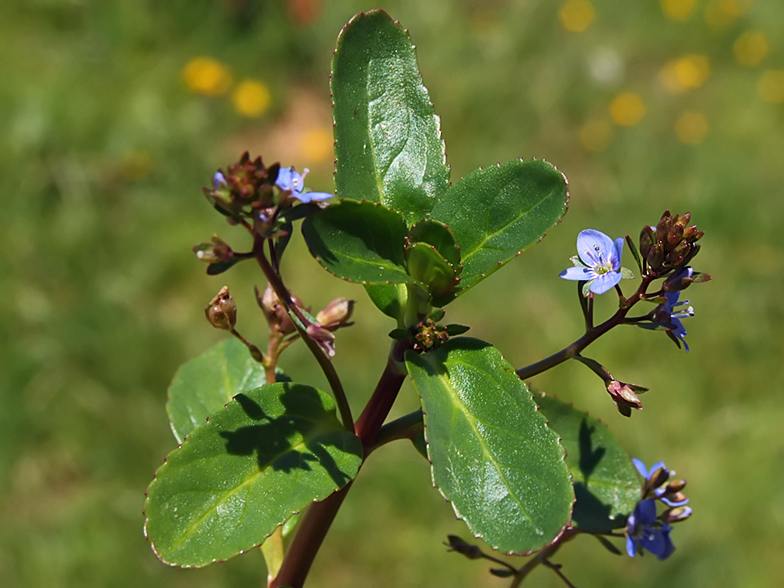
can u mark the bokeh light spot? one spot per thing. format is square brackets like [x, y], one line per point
[251, 98]
[771, 86]
[316, 145]
[751, 48]
[692, 127]
[576, 15]
[685, 73]
[205, 75]
[596, 135]
[720, 14]
[627, 109]
[678, 9]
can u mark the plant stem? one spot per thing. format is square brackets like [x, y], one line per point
[326, 365]
[319, 517]
[591, 335]
[369, 422]
[406, 427]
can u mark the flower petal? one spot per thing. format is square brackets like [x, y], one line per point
[653, 540]
[631, 547]
[594, 247]
[646, 511]
[578, 273]
[617, 253]
[640, 465]
[605, 282]
[312, 196]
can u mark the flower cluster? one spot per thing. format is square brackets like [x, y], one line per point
[248, 189]
[647, 530]
[671, 244]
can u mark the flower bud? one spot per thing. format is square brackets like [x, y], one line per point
[676, 515]
[676, 486]
[624, 397]
[323, 337]
[463, 548]
[336, 314]
[679, 280]
[221, 312]
[216, 251]
[276, 314]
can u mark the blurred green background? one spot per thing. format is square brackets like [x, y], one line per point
[114, 114]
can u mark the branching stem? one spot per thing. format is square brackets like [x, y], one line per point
[591, 335]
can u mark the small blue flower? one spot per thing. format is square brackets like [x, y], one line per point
[219, 180]
[599, 263]
[293, 182]
[645, 531]
[655, 479]
[669, 307]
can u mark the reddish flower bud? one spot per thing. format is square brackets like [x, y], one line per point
[221, 312]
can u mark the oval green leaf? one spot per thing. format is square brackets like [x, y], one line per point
[493, 456]
[605, 481]
[266, 456]
[388, 145]
[498, 212]
[359, 242]
[429, 267]
[438, 235]
[206, 383]
[391, 299]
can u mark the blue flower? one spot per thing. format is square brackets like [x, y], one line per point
[645, 531]
[656, 482]
[599, 261]
[219, 180]
[674, 315]
[293, 182]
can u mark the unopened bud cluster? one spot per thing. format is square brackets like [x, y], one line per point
[245, 189]
[671, 244]
[429, 335]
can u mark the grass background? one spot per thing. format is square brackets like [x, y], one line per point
[103, 153]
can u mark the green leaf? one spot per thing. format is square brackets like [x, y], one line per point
[439, 236]
[498, 212]
[627, 274]
[390, 299]
[206, 383]
[493, 456]
[605, 480]
[428, 266]
[388, 145]
[265, 457]
[359, 242]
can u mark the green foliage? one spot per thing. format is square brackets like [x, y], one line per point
[359, 241]
[202, 386]
[606, 485]
[493, 456]
[497, 212]
[388, 143]
[266, 456]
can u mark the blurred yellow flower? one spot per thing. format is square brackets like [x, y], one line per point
[627, 109]
[692, 127]
[576, 15]
[685, 73]
[678, 9]
[596, 135]
[771, 86]
[751, 48]
[205, 75]
[316, 145]
[136, 165]
[721, 13]
[251, 98]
